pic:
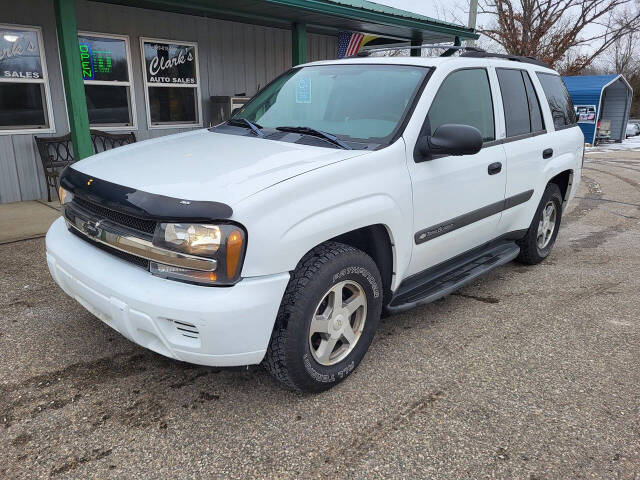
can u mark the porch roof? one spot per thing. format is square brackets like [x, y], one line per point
[319, 16]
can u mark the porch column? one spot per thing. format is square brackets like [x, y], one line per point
[416, 52]
[298, 44]
[67, 28]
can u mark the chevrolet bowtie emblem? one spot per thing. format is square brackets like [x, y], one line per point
[91, 228]
[89, 182]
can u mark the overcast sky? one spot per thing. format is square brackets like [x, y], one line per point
[431, 8]
[456, 11]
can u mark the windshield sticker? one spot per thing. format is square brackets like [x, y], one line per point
[303, 90]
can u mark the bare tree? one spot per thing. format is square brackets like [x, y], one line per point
[555, 30]
[625, 59]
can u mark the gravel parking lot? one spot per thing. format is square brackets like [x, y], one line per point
[532, 372]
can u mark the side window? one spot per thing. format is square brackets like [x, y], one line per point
[521, 106]
[535, 112]
[464, 98]
[559, 100]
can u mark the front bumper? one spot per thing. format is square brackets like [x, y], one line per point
[217, 326]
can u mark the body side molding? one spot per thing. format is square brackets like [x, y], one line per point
[443, 228]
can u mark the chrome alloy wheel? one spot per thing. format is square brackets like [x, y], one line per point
[547, 225]
[338, 322]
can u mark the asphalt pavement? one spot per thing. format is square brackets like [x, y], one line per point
[531, 372]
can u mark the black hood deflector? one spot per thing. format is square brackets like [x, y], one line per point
[141, 204]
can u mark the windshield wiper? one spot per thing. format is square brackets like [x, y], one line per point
[316, 133]
[243, 122]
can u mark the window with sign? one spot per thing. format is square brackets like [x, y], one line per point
[171, 83]
[106, 70]
[24, 89]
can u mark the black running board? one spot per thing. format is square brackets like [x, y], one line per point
[448, 277]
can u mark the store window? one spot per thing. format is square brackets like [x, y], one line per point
[24, 89]
[171, 79]
[106, 69]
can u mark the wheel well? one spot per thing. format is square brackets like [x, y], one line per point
[563, 180]
[374, 241]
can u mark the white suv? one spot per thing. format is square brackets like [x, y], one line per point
[342, 189]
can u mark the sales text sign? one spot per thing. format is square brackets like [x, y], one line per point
[19, 55]
[170, 63]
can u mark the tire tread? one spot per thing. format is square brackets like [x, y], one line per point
[528, 249]
[275, 359]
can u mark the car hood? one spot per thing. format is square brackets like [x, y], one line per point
[204, 165]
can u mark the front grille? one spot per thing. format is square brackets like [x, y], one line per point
[101, 213]
[127, 257]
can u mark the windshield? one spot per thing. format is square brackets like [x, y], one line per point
[354, 102]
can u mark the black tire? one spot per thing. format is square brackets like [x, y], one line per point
[289, 358]
[530, 252]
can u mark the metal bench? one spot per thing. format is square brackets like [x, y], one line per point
[56, 153]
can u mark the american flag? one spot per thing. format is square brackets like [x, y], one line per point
[349, 43]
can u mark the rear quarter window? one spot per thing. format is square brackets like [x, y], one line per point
[559, 100]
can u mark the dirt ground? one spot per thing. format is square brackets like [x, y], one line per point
[531, 372]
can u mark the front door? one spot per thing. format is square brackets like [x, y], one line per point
[457, 201]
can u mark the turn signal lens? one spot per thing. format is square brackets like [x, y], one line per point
[65, 196]
[234, 252]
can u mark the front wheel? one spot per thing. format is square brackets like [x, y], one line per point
[543, 231]
[328, 317]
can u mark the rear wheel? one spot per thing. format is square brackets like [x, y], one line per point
[543, 231]
[327, 319]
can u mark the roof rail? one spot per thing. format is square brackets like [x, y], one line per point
[470, 52]
[449, 49]
[505, 56]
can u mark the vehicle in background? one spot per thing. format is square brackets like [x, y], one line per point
[633, 129]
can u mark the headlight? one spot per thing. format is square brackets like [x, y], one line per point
[224, 243]
[65, 196]
[194, 239]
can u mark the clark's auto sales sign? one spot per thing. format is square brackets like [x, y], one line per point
[170, 63]
[19, 54]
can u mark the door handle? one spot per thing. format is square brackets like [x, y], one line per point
[494, 168]
[548, 153]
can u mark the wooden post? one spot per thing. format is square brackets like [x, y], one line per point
[67, 28]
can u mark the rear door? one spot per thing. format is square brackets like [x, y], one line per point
[527, 145]
[457, 200]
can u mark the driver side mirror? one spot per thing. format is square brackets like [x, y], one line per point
[450, 139]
